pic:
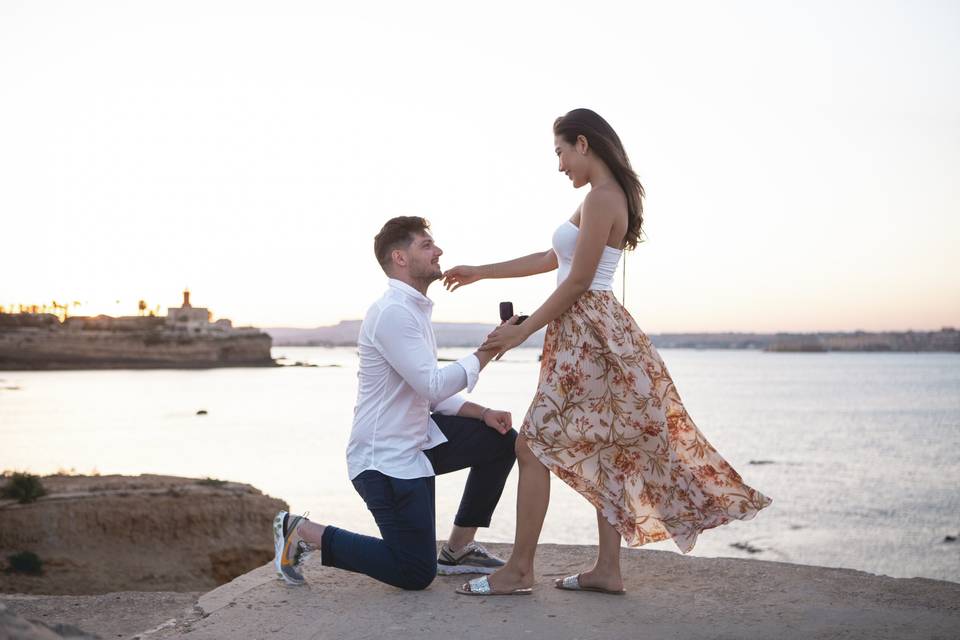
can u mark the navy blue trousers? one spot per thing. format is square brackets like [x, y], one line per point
[405, 512]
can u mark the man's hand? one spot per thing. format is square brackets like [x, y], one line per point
[499, 420]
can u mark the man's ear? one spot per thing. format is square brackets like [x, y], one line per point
[399, 257]
[582, 145]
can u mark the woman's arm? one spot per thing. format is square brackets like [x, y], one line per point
[529, 265]
[598, 215]
[526, 266]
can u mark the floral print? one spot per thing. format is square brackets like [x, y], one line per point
[608, 421]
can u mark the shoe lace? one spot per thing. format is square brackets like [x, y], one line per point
[303, 553]
[475, 547]
[304, 549]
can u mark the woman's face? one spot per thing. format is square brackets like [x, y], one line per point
[572, 162]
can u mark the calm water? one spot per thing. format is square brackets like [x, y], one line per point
[863, 449]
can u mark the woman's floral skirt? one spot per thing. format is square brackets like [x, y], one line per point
[607, 419]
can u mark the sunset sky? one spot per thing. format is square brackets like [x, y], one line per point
[801, 160]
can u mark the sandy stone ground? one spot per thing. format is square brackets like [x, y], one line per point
[669, 596]
[111, 615]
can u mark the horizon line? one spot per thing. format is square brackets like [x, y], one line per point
[779, 331]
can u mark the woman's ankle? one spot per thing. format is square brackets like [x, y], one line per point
[519, 569]
[611, 569]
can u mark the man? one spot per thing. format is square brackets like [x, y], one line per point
[397, 446]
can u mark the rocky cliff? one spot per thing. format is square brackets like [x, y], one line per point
[142, 533]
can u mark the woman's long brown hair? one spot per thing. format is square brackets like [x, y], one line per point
[604, 141]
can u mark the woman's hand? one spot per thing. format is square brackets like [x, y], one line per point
[505, 337]
[459, 276]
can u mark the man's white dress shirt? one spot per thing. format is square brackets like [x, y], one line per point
[400, 384]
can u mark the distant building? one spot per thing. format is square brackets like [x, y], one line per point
[192, 319]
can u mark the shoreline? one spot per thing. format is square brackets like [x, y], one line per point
[8, 366]
[114, 365]
[454, 334]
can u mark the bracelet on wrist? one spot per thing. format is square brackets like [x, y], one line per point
[484, 413]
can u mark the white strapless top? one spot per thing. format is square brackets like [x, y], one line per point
[565, 241]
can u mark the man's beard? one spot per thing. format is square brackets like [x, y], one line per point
[428, 276]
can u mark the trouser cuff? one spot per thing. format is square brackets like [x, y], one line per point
[471, 522]
[326, 546]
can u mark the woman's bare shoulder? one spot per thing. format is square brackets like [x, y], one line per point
[604, 202]
[610, 195]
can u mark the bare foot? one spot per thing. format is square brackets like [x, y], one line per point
[510, 578]
[597, 579]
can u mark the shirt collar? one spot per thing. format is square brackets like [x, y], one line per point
[410, 293]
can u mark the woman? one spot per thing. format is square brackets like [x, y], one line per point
[606, 417]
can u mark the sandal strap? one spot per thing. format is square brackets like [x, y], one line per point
[479, 585]
[571, 582]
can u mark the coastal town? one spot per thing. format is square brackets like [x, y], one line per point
[46, 337]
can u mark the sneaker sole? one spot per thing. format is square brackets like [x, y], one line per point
[460, 569]
[278, 541]
[278, 544]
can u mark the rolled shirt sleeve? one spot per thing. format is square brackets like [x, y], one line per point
[452, 405]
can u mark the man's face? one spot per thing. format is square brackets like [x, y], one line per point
[423, 258]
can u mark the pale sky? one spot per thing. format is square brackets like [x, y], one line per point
[801, 160]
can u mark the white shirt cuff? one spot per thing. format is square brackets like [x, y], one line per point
[470, 364]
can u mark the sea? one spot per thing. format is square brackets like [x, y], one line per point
[860, 452]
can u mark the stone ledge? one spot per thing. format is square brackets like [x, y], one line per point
[669, 596]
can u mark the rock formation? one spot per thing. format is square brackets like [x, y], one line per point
[98, 534]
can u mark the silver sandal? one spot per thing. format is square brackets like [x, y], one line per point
[481, 587]
[572, 583]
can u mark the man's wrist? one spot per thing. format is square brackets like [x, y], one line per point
[484, 357]
[483, 413]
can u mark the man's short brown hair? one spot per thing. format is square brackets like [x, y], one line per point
[397, 233]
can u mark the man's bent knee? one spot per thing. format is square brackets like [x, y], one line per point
[509, 443]
[419, 578]
[417, 584]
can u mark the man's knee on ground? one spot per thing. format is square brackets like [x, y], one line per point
[419, 576]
